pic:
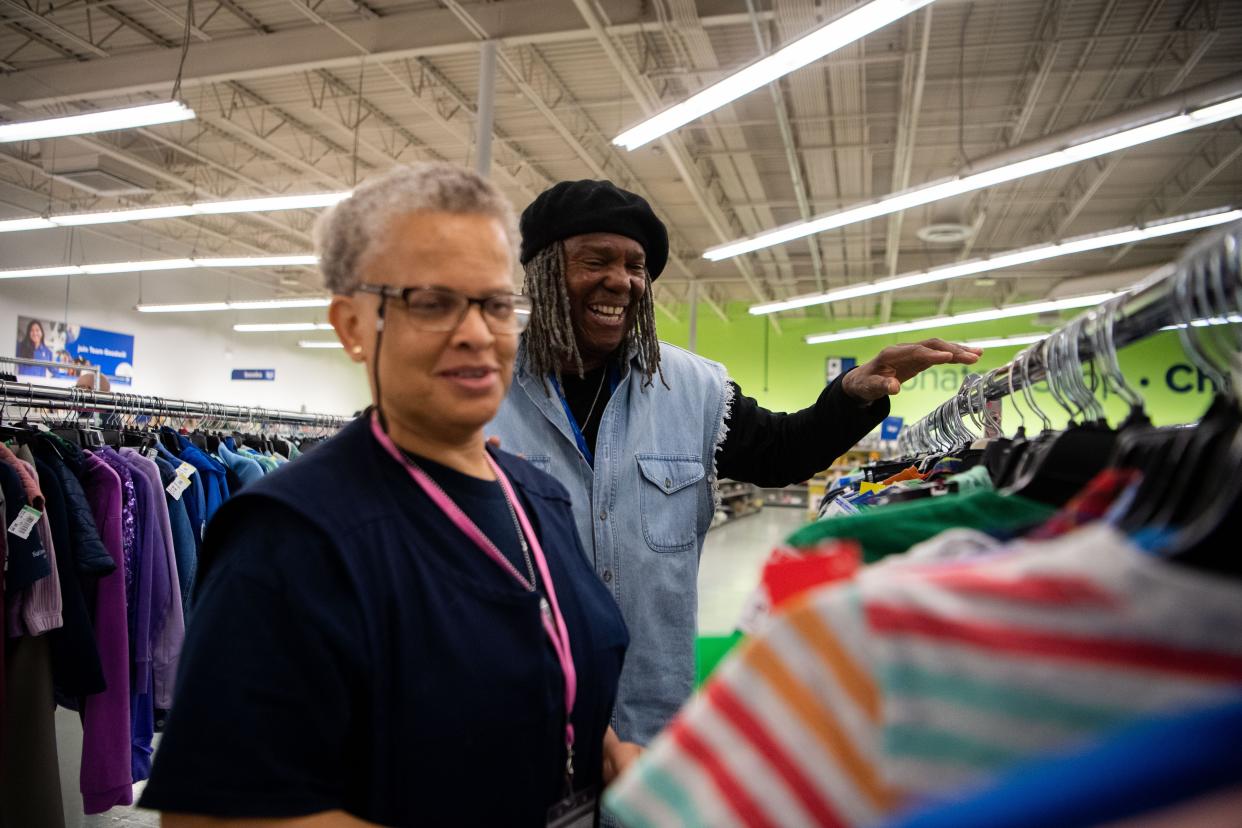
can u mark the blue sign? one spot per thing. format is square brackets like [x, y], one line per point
[266, 374]
[890, 428]
[112, 352]
[47, 340]
[836, 366]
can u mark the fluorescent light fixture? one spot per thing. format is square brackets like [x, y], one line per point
[313, 343]
[282, 327]
[258, 304]
[1012, 258]
[270, 204]
[259, 261]
[189, 307]
[112, 119]
[36, 272]
[110, 216]
[157, 264]
[825, 40]
[1006, 341]
[18, 225]
[948, 188]
[988, 315]
[280, 304]
[199, 208]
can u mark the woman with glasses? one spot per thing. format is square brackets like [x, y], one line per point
[401, 627]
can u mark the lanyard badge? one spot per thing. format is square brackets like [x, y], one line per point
[550, 611]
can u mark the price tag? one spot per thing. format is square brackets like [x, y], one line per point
[153, 452]
[25, 522]
[178, 487]
[43, 428]
[185, 470]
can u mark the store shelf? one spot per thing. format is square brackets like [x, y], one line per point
[794, 497]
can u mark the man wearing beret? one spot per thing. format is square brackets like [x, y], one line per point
[640, 431]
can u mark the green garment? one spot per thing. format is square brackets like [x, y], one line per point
[975, 480]
[887, 530]
[293, 450]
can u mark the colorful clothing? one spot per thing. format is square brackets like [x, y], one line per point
[1090, 504]
[916, 680]
[897, 527]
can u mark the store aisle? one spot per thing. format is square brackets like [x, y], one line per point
[729, 569]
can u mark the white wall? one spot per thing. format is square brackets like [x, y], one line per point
[191, 356]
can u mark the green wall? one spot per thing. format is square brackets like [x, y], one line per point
[793, 373]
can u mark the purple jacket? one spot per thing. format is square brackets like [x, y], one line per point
[106, 777]
[167, 619]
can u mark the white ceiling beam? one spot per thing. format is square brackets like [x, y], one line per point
[391, 38]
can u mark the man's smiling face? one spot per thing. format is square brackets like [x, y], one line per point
[605, 276]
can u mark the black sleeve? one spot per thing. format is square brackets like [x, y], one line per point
[269, 678]
[772, 449]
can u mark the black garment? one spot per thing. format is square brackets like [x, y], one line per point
[772, 449]
[351, 649]
[484, 503]
[592, 388]
[76, 669]
[763, 447]
[90, 555]
[27, 559]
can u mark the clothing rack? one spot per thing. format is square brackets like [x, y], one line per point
[78, 367]
[84, 399]
[1202, 288]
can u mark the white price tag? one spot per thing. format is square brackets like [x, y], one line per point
[178, 487]
[43, 428]
[153, 452]
[185, 470]
[25, 522]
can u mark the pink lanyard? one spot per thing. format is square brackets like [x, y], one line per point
[550, 609]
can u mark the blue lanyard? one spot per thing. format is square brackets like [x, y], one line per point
[579, 437]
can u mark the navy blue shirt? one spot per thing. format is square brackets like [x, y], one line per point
[352, 649]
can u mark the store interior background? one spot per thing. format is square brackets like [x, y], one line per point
[192, 356]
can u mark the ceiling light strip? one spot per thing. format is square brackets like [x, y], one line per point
[282, 327]
[308, 201]
[989, 315]
[825, 40]
[158, 264]
[314, 343]
[257, 304]
[1012, 258]
[949, 188]
[129, 118]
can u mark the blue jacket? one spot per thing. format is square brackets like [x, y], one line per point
[642, 511]
[211, 473]
[246, 469]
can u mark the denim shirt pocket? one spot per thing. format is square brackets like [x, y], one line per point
[543, 462]
[668, 500]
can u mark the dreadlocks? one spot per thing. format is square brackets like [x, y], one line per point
[549, 338]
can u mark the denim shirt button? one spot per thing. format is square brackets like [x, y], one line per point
[603, 514]
[668, 483]
[608, 576]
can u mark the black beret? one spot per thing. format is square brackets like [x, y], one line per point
[574, 208]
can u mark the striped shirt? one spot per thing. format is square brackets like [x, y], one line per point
[924, 678]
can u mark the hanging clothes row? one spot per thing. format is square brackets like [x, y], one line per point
[103, 527]
[1000, 631]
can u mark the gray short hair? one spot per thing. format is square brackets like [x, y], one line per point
[347, 232]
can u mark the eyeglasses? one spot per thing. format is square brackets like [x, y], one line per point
[441, 310]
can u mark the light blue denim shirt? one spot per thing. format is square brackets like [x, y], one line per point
[642, 512]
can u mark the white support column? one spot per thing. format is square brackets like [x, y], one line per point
[486, 108]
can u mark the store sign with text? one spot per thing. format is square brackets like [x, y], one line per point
[259, 374]
[73, 346]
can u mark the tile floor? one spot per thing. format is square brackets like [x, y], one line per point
[728, 572]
